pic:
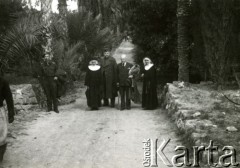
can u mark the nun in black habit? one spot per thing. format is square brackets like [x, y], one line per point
[149, 92]
[93, 81]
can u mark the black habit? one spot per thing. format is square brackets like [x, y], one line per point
[149, 92]
[93, 80]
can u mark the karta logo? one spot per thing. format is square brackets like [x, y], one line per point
[152, 152]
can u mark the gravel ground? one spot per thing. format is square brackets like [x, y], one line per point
[79, 138]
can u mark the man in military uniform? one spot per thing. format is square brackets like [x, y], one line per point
[109, 76]
[49, 83]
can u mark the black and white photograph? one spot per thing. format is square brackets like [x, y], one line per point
[119, 83]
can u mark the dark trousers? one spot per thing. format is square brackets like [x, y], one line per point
[125, 97]
[106, 102]
[2, 151]
[50, 89]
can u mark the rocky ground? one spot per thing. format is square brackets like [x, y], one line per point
[203, 113]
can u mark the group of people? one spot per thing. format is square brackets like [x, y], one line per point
[105, 79]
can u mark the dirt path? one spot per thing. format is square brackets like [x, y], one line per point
[77, 138]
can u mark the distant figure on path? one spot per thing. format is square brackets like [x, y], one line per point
[109, 75]
[149, 91]
[93, 81]
[124, 82]
[5, 94]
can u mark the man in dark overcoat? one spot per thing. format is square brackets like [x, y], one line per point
[5, 95]
[109, 75]
[124, 82]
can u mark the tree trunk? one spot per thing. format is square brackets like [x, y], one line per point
[62, 7]
[46, 7]
[183, 40]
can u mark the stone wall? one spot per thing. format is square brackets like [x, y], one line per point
[27, 96]
[187, 106]
[202, 114]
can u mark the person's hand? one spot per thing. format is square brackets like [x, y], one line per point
[11, 119]
[55, 78]
[142, 75]
[131, 76]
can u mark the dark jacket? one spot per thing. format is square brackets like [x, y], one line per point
[6, 94]
[123, 74]
[109, 72]
[49, 69]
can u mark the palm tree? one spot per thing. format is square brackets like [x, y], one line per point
[46, 7]
[62, 7]
[183, 40]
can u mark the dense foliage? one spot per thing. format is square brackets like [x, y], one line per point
[21, 44]
[213, 29]
[153, 29]
[9, 12]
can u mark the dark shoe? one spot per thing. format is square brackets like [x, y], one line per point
[121, 109]
[112, 102]
[95, 108]
[105, 102]
[56, 111]
[2, 151]
[128, 108]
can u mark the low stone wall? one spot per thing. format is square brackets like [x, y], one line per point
[188, 107]
[202, 114]
[31, 96]
[27, 96]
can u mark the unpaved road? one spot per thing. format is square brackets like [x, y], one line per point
[78, 138]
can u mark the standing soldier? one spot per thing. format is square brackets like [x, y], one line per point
[109, 76]
[49, 84]
[5, 94]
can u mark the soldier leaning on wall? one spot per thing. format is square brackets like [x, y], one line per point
[5, 94]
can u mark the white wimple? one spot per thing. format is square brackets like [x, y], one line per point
[94, 67]
[147, 67]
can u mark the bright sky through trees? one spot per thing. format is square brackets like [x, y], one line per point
[72, 5]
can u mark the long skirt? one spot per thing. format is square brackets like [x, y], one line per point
[93, 95]
[149, 96]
